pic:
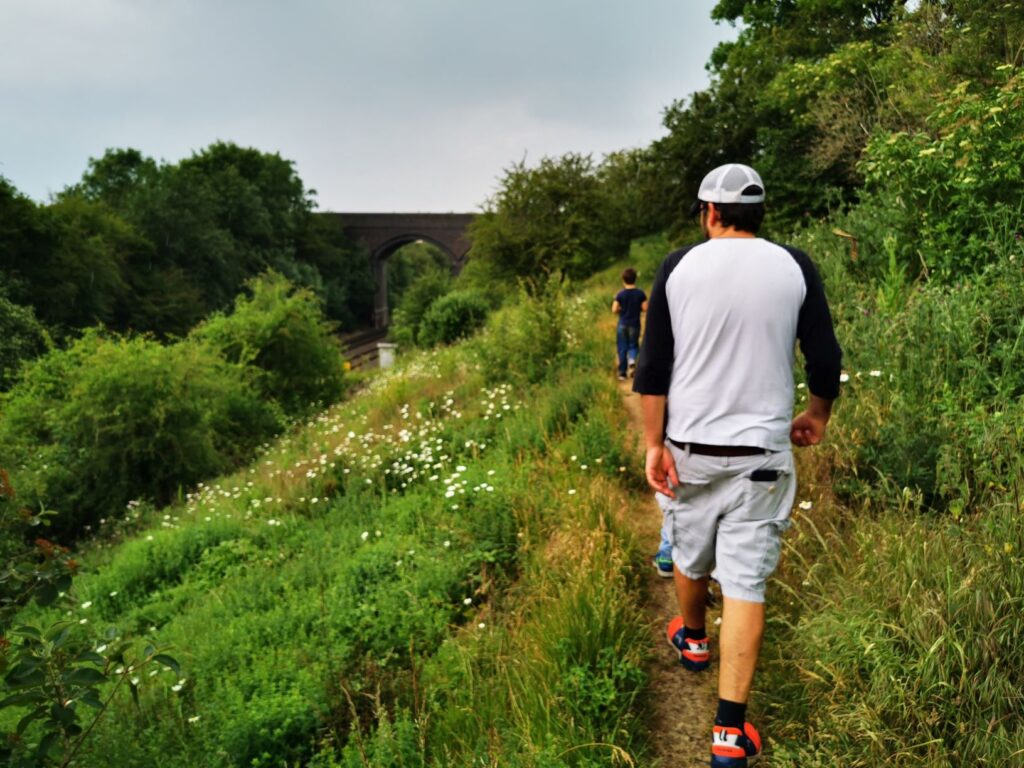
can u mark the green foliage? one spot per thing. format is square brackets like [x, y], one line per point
[222, 215]
[109, 420]
[842, 99]
[409, 264]
[281, 332]
[145, 246]
[807, 84]
[416, 300]
[345, 282]
[452, 317]
[553, 219]
[927, 458]
[937, 192]
[527, 340]
[630, 182]
[890, 654]
[38, 573]
[25, 242]
[118, 177]
[368, 556]
[61, 685]
[52, 674]
[22, 337]
[82, 281]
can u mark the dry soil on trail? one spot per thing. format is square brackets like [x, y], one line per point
[682, 704]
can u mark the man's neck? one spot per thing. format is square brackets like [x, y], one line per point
[729, 232]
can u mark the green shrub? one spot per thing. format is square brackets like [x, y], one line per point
[282, 333]
[526, 341]
[452, 317]
[933, 192]
[113, 419]
[408, 316]
[22, 337]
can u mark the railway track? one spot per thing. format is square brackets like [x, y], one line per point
[361, 347]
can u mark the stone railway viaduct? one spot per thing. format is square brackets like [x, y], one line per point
[384, 233]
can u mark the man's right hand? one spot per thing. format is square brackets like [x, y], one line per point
[660, 469]
[809, 427]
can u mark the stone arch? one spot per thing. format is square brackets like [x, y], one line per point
[384, 233]
[379, 266]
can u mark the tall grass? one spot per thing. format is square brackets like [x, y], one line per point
[900, 639]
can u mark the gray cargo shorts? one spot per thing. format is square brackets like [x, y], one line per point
[726, 517]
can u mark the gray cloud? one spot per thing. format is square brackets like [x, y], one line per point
[383, 104]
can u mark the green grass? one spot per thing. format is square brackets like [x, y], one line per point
[425, 574]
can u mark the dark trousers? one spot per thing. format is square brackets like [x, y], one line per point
[627, 338]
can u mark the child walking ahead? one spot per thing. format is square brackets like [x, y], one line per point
[629, 304]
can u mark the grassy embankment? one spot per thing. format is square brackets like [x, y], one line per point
[430, 574]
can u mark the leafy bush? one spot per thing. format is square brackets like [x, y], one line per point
[22, 337]
[421, 293]
[112, 419]
[933, 192]
[452, 317]
[948, 369]
[281, 332]
[525, 341]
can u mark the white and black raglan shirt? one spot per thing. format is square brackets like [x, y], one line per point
[723, 320]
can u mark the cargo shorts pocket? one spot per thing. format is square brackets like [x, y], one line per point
[769, 490]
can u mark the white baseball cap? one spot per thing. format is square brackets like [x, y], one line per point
[732, 183]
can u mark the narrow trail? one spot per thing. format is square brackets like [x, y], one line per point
[682, 704]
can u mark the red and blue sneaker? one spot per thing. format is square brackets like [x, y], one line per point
[734, 748]
[693, 653]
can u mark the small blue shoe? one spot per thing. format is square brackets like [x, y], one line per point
[663, 562]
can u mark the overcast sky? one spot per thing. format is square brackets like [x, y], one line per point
[384, 105]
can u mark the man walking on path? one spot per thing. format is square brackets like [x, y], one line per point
[716, 378]
[629, 304]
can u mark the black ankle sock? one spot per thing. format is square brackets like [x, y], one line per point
[731, 713]
[694, 634]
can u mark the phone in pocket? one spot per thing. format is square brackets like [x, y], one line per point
[765, 475]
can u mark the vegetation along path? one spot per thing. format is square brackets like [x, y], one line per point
[681, 704]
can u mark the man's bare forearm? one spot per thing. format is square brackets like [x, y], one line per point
[654, 420]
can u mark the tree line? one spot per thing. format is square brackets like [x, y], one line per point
[153, 247]
[809, 93]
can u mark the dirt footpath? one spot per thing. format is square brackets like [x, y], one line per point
[682, 703]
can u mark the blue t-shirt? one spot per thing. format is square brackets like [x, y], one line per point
[631, 303]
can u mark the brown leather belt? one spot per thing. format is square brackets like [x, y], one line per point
[720, 450]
